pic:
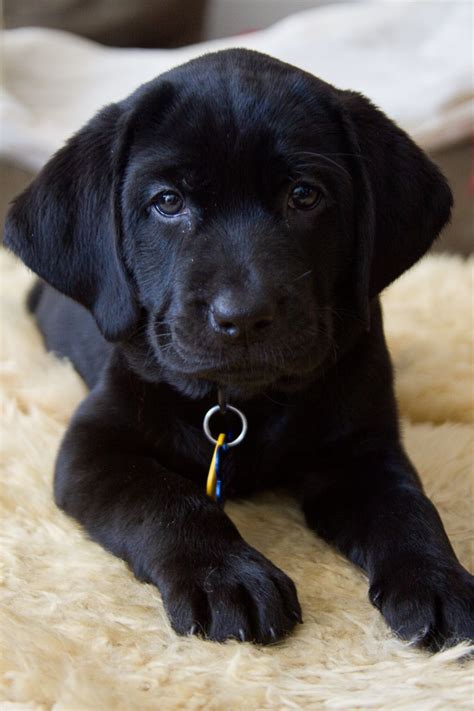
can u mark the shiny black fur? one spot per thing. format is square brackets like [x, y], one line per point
[277, 305]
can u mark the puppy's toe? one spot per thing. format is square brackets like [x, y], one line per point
[188, 611]
[231, 614]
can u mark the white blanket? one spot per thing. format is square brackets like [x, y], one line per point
[413, 59]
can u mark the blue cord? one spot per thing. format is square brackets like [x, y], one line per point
[219, 465]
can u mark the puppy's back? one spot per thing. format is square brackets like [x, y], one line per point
[69, 330]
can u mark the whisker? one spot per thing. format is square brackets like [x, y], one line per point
[340, 313]
[301, 276]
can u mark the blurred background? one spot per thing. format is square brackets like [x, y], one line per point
[167, 24]
[152, 23]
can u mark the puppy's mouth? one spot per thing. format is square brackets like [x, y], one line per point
[246, 367]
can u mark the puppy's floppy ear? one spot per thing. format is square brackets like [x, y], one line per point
[66, 225]
[402, 199]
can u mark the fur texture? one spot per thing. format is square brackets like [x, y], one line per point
[78, 630]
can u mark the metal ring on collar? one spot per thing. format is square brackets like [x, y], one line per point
[215, 409]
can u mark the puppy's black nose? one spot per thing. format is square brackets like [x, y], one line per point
[237, 315]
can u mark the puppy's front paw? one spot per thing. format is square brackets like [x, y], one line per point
[433, 607]
[241, 596]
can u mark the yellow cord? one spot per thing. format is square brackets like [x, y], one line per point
[212, 477]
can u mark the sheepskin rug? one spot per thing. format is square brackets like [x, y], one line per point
[80, 632]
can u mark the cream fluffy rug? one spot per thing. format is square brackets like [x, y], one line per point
[79, 632]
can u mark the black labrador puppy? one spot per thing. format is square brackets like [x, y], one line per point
[227, 229]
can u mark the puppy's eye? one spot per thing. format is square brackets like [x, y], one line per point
[169, 203]
[304, 197]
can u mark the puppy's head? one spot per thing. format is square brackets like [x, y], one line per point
[238, 208]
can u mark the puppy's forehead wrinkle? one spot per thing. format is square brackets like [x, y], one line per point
[311, 159]
[238, 110]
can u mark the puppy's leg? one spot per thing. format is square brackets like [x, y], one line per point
[168, 530]
[372, 508]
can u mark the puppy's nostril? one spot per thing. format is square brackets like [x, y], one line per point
[230, 329]
[224, 325]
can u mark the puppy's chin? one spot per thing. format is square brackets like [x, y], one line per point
[241, 389]
[241, 384]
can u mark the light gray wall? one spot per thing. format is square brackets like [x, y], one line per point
[230, 17]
